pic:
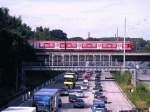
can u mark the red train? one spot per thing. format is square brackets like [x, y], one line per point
[81, 45]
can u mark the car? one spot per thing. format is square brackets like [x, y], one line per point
[59, 103]
[98, 103]
[94, 109]
[79, 103]
[64, 92]
[96, 88]
[84, 87]
[77, 92]
[99, 86]
[77, 86]
[97, 80]
[86, 82]
[97, 83]
[97, 76]
[97, 94]
[102, 98]
[72, 98]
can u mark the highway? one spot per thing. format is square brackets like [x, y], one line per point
[117, 100]
[68, 107]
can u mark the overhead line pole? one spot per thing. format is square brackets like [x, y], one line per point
[124, 51]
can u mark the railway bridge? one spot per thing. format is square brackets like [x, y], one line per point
[86, 60]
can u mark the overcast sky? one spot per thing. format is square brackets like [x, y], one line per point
[78, 17]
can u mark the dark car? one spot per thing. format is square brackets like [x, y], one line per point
[98, 83]
[98, 88]
[72, 98]
[59, 103]
[79, 103]
[97, 80]
[64, 92]
[97, 94]
[97, 76]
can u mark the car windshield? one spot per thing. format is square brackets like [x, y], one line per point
[79, 100]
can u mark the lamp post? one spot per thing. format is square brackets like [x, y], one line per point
[124, 51]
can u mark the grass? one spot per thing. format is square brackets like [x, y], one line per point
[139, 95]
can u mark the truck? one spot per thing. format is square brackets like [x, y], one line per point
[19, 109]
[46, 100]
[69, 80]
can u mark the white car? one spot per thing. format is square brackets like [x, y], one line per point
[78, 93]
[86, 82]
[84, 87]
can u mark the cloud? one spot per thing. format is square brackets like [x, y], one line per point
[77, 17]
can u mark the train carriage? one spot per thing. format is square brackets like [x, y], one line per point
[81, 45]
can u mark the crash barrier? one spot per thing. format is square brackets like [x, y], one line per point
[28, 94]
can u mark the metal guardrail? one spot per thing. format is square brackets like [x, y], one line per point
[28, 95]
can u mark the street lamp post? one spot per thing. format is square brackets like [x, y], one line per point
[124, 51]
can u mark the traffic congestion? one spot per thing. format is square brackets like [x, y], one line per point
[86, 94]
[76, 92]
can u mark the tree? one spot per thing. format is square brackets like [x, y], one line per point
[76, 39]
[14, 47]
[58, 34]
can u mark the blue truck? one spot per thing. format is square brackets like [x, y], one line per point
[46, 100]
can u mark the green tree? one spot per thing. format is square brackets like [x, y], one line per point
[76, 39]
[58, 34]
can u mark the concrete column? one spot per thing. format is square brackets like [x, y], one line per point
[63, 60]
[52, 59]
[78, 59]
[100, 59]
[109, 60]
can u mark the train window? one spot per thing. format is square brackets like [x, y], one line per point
[109, 45]
[62, 45]
[69, 45]
[114, 45]
[46, 45]
[79, 44]
[94, 45]
[84, 45]
[74, 45]
[119, 45]
[104, 45]
[51, 44]
[88, 45]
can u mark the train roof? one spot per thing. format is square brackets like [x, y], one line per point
[71, 41]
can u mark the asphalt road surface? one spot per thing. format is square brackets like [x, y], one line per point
[115, 96]
[117, 101]
[68, 107]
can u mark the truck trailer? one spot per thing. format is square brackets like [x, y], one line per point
[19, 109]
[46, 100]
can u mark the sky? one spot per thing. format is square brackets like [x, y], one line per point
[78, 17]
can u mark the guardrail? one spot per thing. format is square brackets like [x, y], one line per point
[28, 95]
